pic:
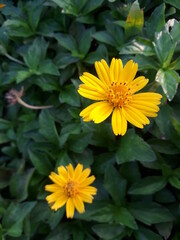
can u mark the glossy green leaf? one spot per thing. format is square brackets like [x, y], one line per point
[168, 79]
[174, 3]
[175, 182]
[132, 147]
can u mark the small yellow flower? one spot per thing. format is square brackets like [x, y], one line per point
[115, 89]
[71, 187]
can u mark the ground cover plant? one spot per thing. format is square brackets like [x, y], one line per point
[124, 178]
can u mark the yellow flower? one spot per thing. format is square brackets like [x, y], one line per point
[115, 89]
[71, 187]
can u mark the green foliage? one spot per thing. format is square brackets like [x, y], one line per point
[45, 45]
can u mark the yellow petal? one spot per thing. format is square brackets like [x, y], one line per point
[135, 113]
[129, 71]
[116, 121]
[133, 72]
[138, 84]
[55, 196]
[70, 171]
[84, 174]
[78, 203]
[78, 171]
[86, 197]
[52, 187]
[87, 181]
[92, 81]
[101, 72]
[56, 179]
[147, 96]
[149, 114]
[62, 173]
[88, 190]
[130, 119]
[123, 123]
[101, 112]
[147, 106]
[91, 93]
[69, 208]
[85, 113]
[59, 203]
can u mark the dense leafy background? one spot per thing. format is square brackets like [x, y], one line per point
[44, 46]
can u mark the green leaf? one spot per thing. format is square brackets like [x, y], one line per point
[36, 53]
[138, 46]
[91, 5]
[34, 9]
[104, 37]
[115, 185]
[164, 47]
[5, 176]
[69, 95]
[168, 79]
[156, 21]
[146, 234]
[22, 75]
[124, 217]
[19, 184]
[148, 185]
[150, 212]
[85, 41]
[67, 41]
[134, 21]
[100, 53]
[164, 229]
[48, 67]
[108, 231]
[132, 148]
[67, 130]
[63, 59]
[78, 143]
[4, 138]
[175, 182]
[163, 146]
[174, 3]
[47, 127]
[41, 163]
[15, 214]
[146, 63]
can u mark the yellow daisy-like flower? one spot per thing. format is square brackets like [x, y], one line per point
[2, 5]
[115, 90]
[71, 187]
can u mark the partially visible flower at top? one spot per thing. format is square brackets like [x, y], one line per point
[71, 187]
[13, 97]
[115, 90]
[2, 5]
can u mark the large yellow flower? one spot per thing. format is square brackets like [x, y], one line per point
[71, 187]
[115, 90]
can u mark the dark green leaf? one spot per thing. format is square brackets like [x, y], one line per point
[150, 213]
[70, 96]
[146, 234]
[132, 147]
[156, 21]
[124, 217]
[174, 3]
[148, 185]
[41, 163]
[104, 37]
[175, 182]
[47, 127]
[107, 231]
[115, 185]
[78, 143]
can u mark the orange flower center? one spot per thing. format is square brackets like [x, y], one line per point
[119, 94]
[71, 188]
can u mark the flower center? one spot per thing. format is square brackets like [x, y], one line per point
[71, 188]
[119, 94]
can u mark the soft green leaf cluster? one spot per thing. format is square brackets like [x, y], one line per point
[45, 45]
